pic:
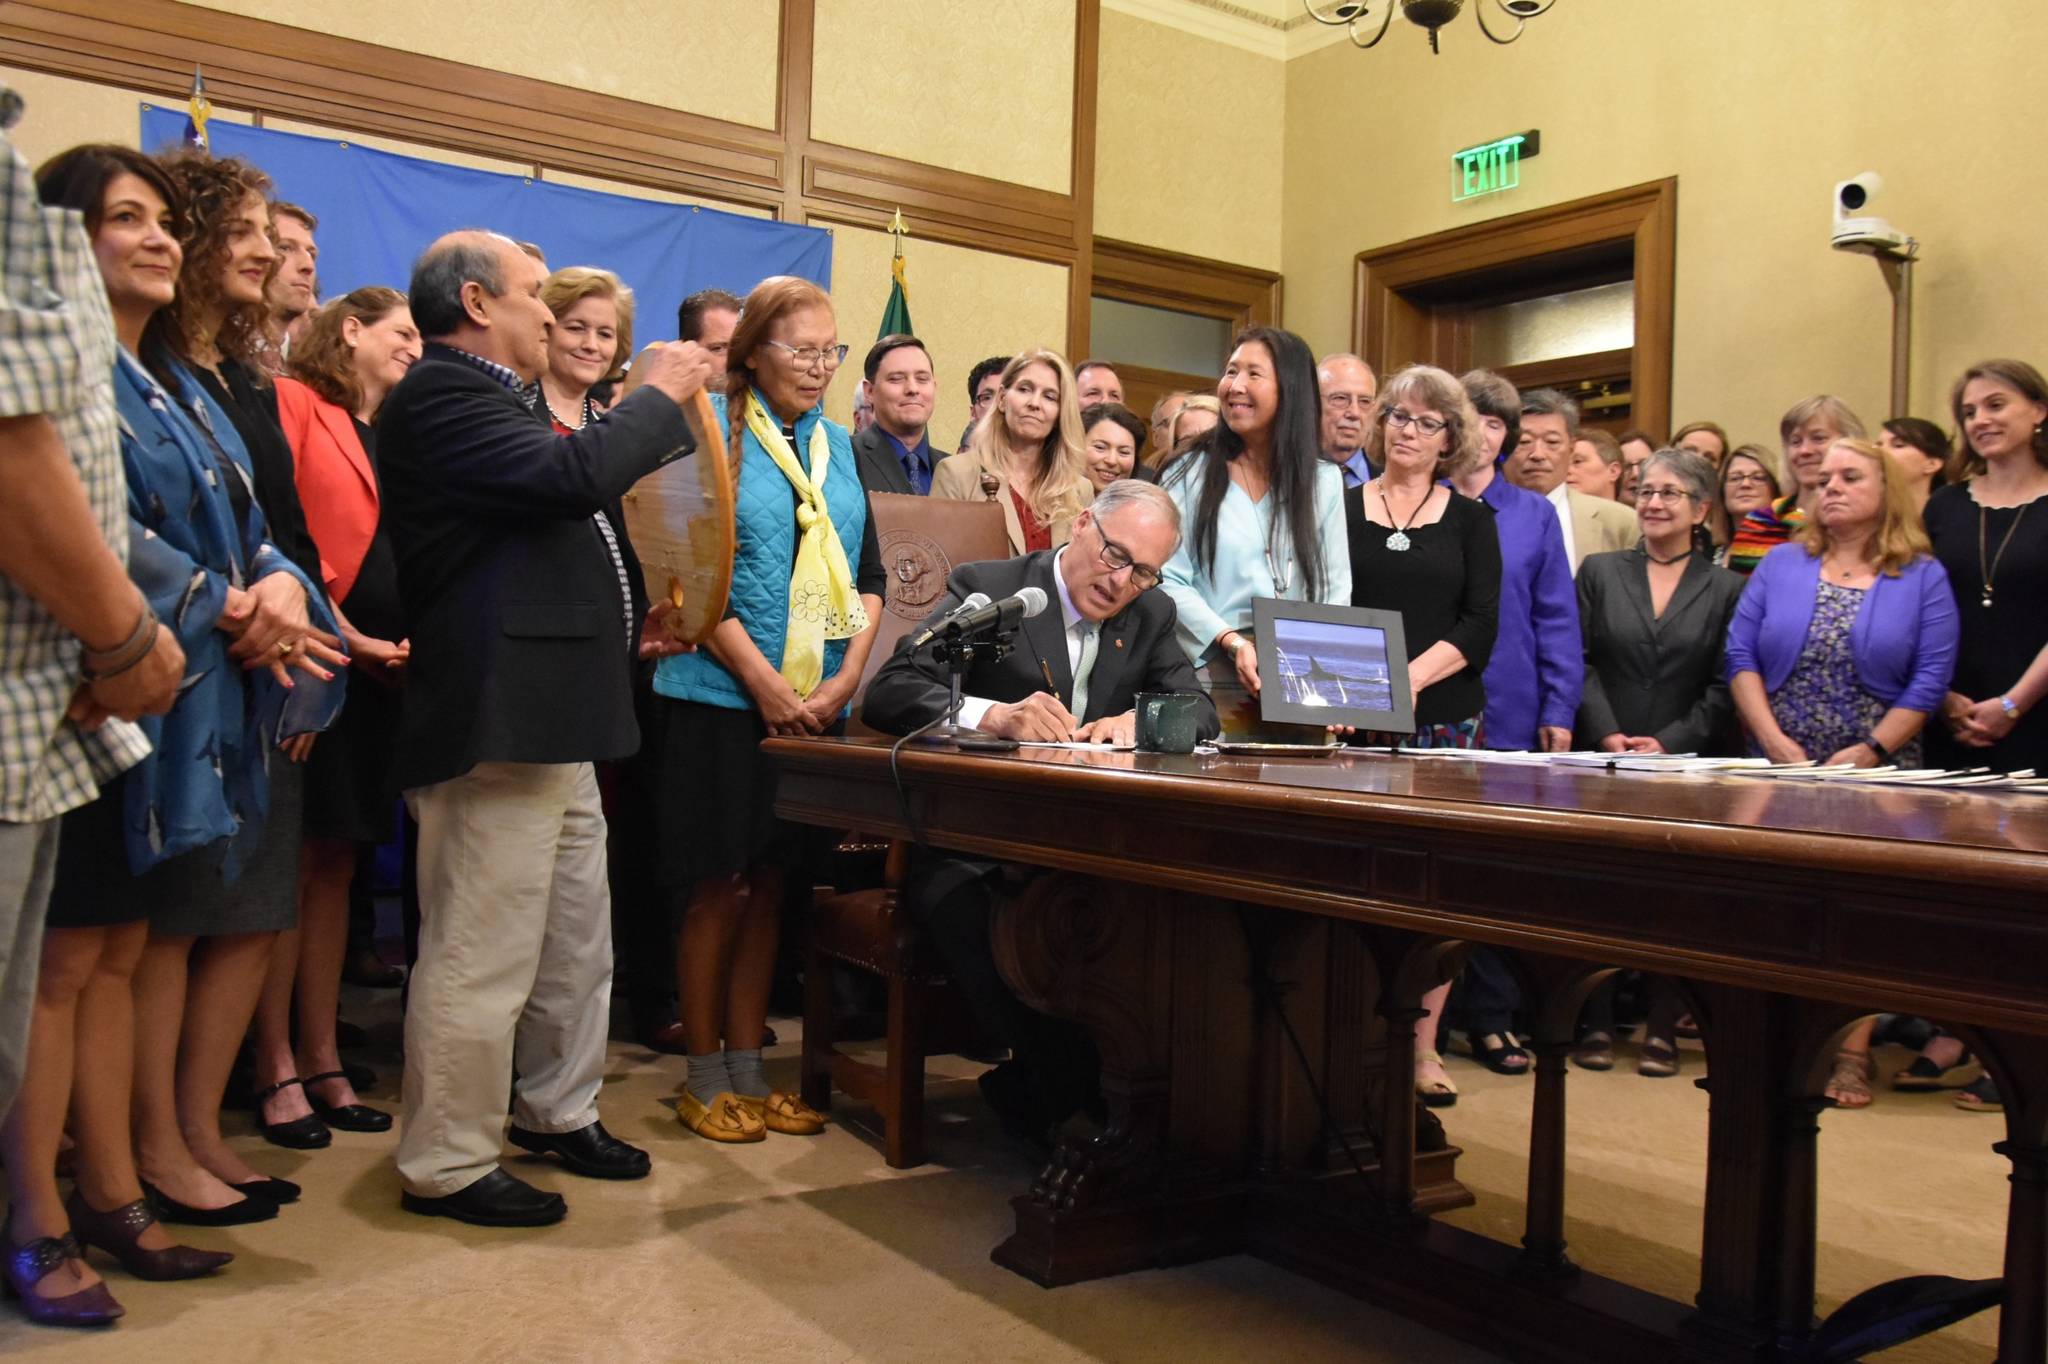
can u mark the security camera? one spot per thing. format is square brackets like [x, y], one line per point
[1857, 226]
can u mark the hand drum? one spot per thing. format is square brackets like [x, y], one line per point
[681, 520]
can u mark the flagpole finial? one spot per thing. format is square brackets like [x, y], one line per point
[899, 230]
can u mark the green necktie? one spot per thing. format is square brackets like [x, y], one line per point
[1090, 633]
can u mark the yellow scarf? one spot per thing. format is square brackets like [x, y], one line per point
[822, 601]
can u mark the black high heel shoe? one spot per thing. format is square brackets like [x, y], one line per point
[119, 1233]
[346, 1117]
[169, 1209]
[300, 1134]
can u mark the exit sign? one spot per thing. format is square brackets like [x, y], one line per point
[1492, 167]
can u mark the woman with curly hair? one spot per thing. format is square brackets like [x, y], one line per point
[348, 355]
[1026, 454]
[197, 985]
[806, 600]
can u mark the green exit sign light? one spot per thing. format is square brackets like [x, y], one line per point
[1491, 167]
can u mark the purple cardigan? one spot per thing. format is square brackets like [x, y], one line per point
[1903, 641]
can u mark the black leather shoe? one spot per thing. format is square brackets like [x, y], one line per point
[279, 1191]
[240, 1214]
[300, 1134]
[496, 1200]
[588, 1151]
[347, 1117]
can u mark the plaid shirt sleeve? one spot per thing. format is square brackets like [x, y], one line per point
[57, 352]
[40, 357]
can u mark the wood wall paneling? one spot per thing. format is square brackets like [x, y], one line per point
[1168, 279]
[152, 45]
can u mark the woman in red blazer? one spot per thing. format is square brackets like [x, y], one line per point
[349, 356]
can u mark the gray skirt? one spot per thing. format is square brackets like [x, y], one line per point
[186, 895]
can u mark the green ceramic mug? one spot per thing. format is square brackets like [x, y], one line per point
[1166, 722]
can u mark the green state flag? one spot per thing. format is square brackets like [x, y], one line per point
[896, 313]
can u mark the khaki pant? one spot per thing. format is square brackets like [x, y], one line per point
[515, 966]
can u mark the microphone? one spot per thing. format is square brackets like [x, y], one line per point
[975, 601]
[996, 616]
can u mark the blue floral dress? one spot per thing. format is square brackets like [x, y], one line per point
[1823, 707]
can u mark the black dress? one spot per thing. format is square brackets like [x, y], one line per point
[1998, 642]
[715, 782]
[350, 793]
[1446, 585]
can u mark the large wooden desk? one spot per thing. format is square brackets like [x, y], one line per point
[1281, 1121]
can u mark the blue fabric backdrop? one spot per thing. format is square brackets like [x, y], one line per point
[378, 210]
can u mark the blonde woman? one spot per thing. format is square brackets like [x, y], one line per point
[590, 342]
[1026, 454]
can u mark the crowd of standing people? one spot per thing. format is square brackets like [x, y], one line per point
[273, 566]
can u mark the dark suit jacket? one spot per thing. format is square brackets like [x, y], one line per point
[880, 470]
[1137, 653]
[519, 647]
[1649, 675]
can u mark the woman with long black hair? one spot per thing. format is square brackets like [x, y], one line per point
[1263, 512]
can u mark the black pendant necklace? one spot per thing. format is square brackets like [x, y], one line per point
[1399, 540]
[1989, 570]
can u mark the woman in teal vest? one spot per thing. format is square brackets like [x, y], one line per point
[806, 596]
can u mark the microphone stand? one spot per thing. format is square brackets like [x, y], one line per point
[959, 654]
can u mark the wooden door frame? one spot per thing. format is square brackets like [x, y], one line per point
[1645, 217]
[1237, 294]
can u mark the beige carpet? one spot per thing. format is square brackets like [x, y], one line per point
[814, 1250]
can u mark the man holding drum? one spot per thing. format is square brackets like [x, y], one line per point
[523, 637]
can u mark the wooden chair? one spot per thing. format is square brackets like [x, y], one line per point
[921, 540]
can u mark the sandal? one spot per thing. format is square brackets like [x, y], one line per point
[1927, 1074]
[300, 1134]
[1594, 1052]
[1508, 1058]
[725, 1118]
[1849, 1085]
[785, 1113]
[1657, 1058]
[1433, 1093]
[1981, 1096]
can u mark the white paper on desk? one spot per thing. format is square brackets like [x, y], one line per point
[1477, 755]
[1085, 748]
[1655, 762]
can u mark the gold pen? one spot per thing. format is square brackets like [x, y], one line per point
[1050, 685]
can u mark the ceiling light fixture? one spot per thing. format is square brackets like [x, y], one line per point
[1357, 18]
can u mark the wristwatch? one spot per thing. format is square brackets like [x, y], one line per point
[1884, 755]
[2012, 712]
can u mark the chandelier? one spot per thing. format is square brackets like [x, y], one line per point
[1355, 16]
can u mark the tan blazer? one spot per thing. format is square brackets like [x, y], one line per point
[1599, 525]
[960, 478]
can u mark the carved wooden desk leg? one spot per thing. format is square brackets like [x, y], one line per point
[1102, 954]
[1799, 1219]
[2022, 1073]
[1754, 1191]
[1397, 1113]
[2023, 1319]
[1543, 1249]
[1561, 987]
